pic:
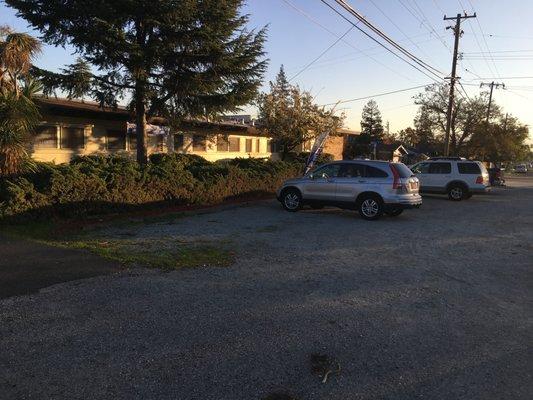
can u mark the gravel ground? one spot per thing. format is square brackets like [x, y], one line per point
[434, 304]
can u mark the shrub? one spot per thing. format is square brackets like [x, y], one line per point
[99, 184]
[303, 156]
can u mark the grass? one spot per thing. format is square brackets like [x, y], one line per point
[157, 253]
[164, 253]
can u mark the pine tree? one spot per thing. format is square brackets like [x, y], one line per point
[173, 58]
[371, 123]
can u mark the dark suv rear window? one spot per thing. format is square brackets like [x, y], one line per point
[468, 168]
[403, 170]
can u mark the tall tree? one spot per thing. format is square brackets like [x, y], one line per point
[467, 115]
[18, 112]
[371, 123]
[502, 140]
[174, 58]
[291, 117]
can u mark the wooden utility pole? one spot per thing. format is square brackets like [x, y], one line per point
[492, 86]
[457, 33]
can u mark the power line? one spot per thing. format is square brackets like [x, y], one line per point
[501, 51]
[390, 41]
[377, 95]
[505, 77]
[318, 23]
[398, 27]
[424, 24]
[328, 62]
[381, 44]
[321, 54]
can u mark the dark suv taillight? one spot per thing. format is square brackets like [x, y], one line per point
[479, 180]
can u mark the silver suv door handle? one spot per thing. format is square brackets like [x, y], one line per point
[362, 181]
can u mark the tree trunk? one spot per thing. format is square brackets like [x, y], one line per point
[140, 122]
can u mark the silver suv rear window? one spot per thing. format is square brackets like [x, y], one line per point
[403, 170]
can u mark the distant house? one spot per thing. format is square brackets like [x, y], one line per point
[71, 127]
[335, 143]
[397, 152]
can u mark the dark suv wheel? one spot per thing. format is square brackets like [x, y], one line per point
[370, 207]
[291, 200]
[458, 192]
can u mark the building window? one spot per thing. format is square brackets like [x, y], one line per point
[156, 142]
[199, 143]
[115, 139]
[248, 145]
[222, 143]
[258, 146]
[72, 137]
[132, 141]
[274, 146]
[179, 141]
[235, 144]
[46, 137]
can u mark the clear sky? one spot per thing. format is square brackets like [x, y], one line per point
[300, 30]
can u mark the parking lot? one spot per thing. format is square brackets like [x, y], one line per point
[434, 304]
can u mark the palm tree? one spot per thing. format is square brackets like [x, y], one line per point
[18, 112]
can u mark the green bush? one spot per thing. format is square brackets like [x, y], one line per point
[99, 184]
[303, 156]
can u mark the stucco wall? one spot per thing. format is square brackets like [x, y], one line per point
[95, 132]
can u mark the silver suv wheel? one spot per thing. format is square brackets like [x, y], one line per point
[370, 208]
[291, 200]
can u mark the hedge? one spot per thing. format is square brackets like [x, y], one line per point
[99, 184]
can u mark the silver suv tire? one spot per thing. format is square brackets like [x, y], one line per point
[291, 200]
[370, 207]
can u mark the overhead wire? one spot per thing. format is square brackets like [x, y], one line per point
[318, 23]
[321, 54]
[377, 95]
[384, 36]
[381, 44]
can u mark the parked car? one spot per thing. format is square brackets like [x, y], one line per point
[371, 187]
[520, 168]
[496, 177]
[459, 178]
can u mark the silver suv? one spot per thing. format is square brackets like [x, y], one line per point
[371, 187]
[459, 178]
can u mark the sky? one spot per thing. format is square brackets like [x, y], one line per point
[496, 46]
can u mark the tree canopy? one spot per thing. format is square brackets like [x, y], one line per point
[18, 113]
[502, 138]
[291, 117]
[171, 58]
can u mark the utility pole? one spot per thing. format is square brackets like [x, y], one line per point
[492, 86]
[457, 33]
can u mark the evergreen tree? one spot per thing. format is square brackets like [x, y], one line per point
[173, 58]
[371, 123]
[290, 116]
